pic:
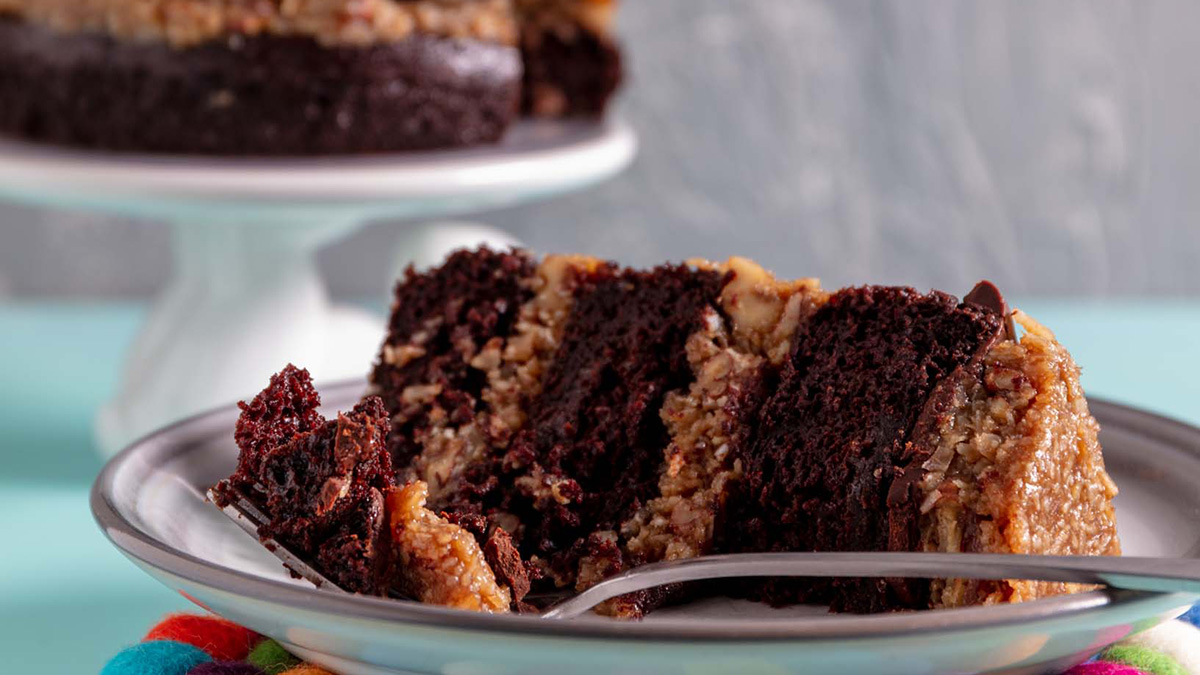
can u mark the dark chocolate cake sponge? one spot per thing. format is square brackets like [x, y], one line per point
[286, 409]
[320, 482]
[832, 434]
[440, 320]
[592, 449]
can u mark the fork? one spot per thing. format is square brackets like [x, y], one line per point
[1162, 575]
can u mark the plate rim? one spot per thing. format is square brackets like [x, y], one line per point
[163, 445]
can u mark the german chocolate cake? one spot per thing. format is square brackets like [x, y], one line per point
[285, 77]
[545, 424]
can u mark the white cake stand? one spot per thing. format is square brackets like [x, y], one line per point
[246, 297]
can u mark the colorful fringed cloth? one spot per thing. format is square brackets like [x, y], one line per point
[188, 644]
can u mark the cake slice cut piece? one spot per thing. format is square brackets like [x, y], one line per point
[555, 422]
[680, 411]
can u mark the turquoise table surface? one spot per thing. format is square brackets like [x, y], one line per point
[68, 600]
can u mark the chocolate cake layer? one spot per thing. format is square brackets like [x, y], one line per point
[832, 434]
[265, 95]
[572, 63]
[591, 451]
[442, 321]
[743, 340]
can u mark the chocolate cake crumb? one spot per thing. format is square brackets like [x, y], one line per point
[284, 410]
[831, 436]
[592, 449]
[320, 482]
[504, 559]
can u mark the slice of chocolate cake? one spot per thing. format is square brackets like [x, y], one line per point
[554, 423]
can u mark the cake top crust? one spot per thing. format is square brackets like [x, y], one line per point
[185, 23]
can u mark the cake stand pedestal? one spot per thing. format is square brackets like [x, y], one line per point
[246, 297]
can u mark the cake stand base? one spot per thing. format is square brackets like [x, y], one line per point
[244, 301]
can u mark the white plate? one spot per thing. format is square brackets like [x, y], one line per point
[150, 502]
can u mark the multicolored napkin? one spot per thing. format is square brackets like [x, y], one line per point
[190, 644]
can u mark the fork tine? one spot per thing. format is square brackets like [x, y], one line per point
[248, 517]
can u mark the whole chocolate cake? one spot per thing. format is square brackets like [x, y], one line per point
[554, 422]
[284, 77]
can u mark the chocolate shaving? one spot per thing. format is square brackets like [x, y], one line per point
[986, 295]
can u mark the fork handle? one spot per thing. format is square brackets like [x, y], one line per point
[1167, 575]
